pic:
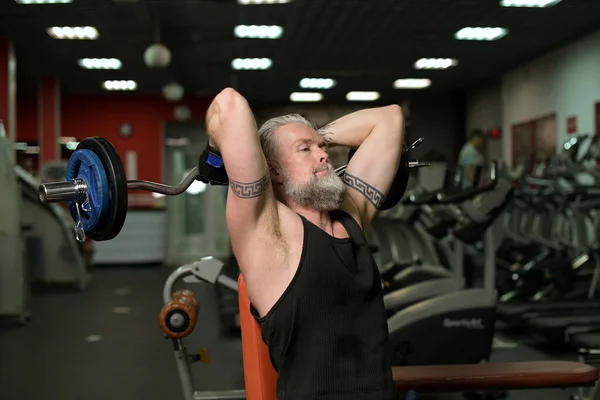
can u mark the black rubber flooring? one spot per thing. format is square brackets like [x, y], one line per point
[105, 343]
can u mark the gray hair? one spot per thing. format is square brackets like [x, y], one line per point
[266, 133]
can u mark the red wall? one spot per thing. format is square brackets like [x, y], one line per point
[85, 116]
[27, 129]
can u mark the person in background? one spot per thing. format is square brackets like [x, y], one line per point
[471, 156]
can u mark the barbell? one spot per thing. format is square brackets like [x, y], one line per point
[96, 188]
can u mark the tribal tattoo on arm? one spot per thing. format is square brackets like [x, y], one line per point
[373, 195]
[250, 190]
[326, 133]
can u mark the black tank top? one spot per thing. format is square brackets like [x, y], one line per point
[327, 334]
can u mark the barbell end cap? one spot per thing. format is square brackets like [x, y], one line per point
[42, 193]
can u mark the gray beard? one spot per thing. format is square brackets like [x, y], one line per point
[321, 193]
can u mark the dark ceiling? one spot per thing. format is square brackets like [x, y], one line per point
[363, 44]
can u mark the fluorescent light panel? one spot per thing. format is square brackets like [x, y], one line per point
[306, 97]
[251, 63]
[529, 3]
[120, 85]
[253, 2]
[73, 32]
[44, 1]
[258, 31]
[481, 33]
[412, 83]
[362, 96]
[435, 63]
[317, 83]
[100, 63]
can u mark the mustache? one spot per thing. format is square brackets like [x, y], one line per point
[326, 167]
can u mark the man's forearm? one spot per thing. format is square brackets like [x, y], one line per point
[352, 129]
[228, 110]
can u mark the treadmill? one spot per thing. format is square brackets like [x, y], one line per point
[553, 324]
[575, 302]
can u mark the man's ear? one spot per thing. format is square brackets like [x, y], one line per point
[274, 172]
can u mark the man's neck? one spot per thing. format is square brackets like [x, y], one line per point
[319, 218]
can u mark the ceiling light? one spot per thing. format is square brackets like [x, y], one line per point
[119, 85]
[100, 63]
[529, 3]
[251, 63]
[247, 2]
[412, 83]
[480, 33]
[306, 96]
[73, 32]
[435, 63]
[258, 31]
[44, 1]
[362, 96]
[317, 83]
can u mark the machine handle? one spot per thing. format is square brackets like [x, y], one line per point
[463, 195]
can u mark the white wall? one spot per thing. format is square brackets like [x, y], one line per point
[565, 82]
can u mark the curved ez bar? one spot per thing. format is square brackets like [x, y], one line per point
[411, 165]
[76, 190]
[165, 189]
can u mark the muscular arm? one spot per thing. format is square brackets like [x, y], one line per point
[378, 133]
[251, 203]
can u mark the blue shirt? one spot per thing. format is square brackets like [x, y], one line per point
[469, 156]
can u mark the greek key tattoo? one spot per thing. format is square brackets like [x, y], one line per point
[250, 190]
[374, 196]
[326, 134]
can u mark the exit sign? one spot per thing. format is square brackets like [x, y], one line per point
[572, 124]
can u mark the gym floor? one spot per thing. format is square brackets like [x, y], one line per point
[105, 343]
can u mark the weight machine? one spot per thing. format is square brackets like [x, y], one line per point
[178, 319]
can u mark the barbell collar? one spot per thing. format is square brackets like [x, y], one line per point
[56, 192]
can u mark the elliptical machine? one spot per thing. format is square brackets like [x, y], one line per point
[434, 331]
[437, 220]
[421, 282]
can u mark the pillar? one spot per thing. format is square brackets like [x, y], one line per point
[8, 91]
[49, 126]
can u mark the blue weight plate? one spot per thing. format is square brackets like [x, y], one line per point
[110, 225]
[85, 164]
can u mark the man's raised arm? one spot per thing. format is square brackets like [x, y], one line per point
[251, 202]
[378, 133]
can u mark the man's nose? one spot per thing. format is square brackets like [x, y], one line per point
[323, 156]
